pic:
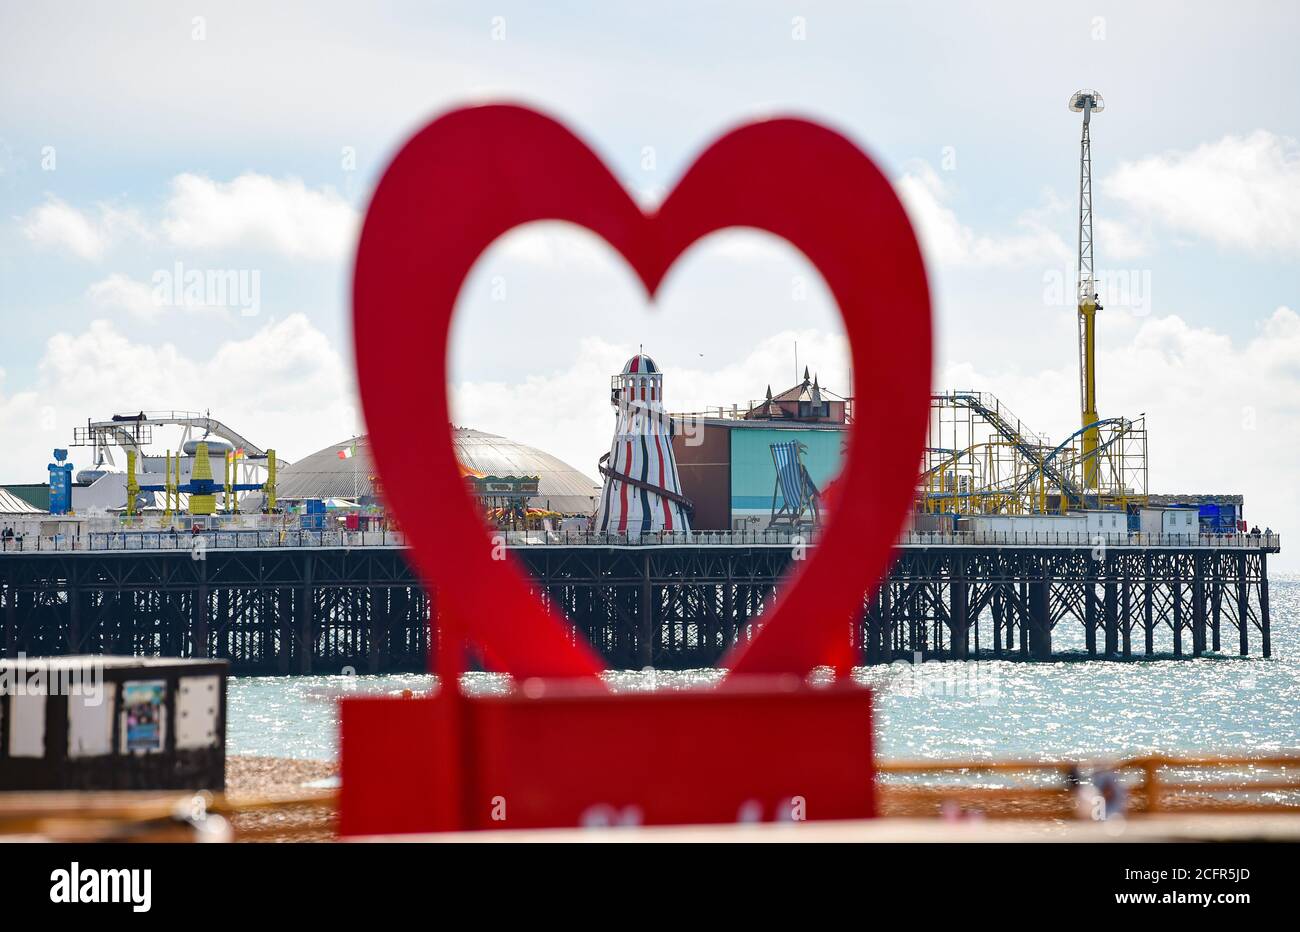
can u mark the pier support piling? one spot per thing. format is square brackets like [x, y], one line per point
[273, 611]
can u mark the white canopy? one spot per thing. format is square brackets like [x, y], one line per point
[11, 504]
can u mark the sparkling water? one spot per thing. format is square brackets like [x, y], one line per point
[1072, 708]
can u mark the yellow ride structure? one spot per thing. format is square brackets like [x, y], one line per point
[202, 487]
[981, 458]
[1087, 102]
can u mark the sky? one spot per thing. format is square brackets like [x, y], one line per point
[141, 142]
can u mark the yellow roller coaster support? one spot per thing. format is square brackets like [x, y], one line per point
[132, 484]
[202, 504]
[167, 484]
[1091, 436]
[269, 488]
[225, 486]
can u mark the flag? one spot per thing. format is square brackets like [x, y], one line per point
[348, 452]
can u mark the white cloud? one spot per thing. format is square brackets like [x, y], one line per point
[118, 292]
[58, 224]
[285, 387]
[649, 197]
[552, 244]
[1117, 240]
[252, 211]
[558, 246]
[1241, 191]
[86, 234]
[744, 245]
[259, 212]
[214, 292]
[946, 240]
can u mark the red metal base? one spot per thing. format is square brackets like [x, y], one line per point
[562, 754]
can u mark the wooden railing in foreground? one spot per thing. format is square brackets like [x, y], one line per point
[1068, 789]
[1020, 789]
[168, 816]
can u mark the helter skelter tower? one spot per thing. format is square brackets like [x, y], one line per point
[642, 491]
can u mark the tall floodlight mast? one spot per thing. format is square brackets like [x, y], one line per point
[1087, 102]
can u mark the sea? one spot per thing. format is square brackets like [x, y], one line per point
[1072, 708]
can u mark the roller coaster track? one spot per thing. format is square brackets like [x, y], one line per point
[1124, 426]
[953, 459]
[1040, 463]
[1026, 442]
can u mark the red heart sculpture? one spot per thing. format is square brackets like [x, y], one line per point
[474, 174]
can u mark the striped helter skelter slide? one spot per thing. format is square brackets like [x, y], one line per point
[642, 492]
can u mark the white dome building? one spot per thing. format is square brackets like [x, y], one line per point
[325, 474]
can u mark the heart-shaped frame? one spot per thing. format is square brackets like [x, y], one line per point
[474, 174]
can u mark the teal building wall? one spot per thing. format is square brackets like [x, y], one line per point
[753, 475]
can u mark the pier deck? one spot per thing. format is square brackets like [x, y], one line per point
[315, 603]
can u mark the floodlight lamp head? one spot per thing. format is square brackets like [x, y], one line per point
[1087, 99]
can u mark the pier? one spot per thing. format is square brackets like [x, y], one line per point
[304, 602]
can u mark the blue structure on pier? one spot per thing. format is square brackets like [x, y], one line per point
[60, 484]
